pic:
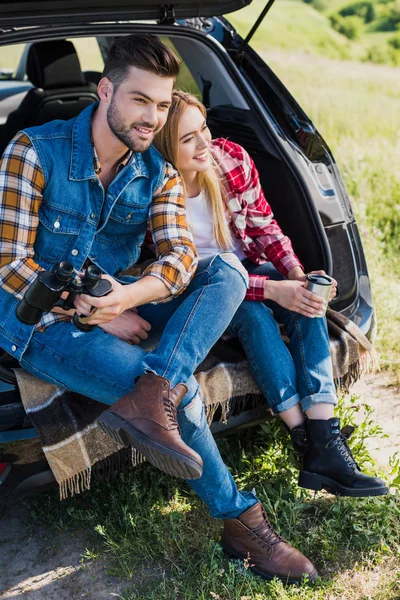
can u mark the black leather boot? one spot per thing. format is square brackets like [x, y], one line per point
[328, 463]
[299, 439]
[298, 436]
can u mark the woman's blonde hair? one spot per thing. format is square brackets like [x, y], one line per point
[167, 142]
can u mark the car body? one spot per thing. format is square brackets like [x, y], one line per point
[246, 102]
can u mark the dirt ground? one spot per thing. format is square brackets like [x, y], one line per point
[42, 565]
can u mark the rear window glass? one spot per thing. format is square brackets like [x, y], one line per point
[10, 57]
[89, 54]
[185, 80]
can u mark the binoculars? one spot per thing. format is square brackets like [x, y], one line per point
[45, 292]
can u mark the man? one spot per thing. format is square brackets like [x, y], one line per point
[83, 190]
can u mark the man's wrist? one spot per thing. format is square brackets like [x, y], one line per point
[145, 290]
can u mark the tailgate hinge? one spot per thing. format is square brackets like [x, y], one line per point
[167, 14]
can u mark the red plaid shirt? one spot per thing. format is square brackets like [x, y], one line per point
[250, 216]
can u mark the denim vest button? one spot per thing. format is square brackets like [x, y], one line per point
[74, 252]
[57, 224]
[92, 215]
[14, 348]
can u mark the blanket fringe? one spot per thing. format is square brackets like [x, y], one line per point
[233, 406]
[123, 460]
[76, 484]
[367, 363]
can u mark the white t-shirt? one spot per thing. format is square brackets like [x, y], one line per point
[199, 218]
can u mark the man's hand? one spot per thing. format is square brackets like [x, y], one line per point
[129, 326]
[108, 308]
[294, 296]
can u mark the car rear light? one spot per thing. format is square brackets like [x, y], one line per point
[5, 468]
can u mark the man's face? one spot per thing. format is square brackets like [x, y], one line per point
[139, 108]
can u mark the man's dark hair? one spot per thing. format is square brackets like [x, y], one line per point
[143, 51]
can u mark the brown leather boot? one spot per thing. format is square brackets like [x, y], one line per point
[146, 419]
[251, 537]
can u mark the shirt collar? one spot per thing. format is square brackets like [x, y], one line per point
[127, 159]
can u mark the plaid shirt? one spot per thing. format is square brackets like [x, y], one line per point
[250, 216]
[21, 187]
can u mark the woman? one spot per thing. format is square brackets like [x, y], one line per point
[227, 210]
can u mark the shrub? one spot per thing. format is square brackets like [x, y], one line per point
[320, 5]
[350, 27]
[380, 55]
[395, 41]
[365, 10]
[389, 13]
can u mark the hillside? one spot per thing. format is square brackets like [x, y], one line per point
[296, 26]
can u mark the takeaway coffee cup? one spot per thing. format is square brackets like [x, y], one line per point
[320, 285]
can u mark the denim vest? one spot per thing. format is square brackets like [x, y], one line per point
[77, 219]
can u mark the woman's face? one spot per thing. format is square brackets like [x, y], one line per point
[194, 142]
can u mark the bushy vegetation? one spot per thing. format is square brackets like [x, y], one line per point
[365, 10]
[395, 41]
[351, 26]
[359, 21]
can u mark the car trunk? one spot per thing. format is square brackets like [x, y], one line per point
[44, 12]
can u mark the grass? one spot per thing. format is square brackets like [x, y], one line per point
[154, 532]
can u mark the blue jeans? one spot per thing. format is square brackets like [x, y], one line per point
[301, 373]
[104, 367]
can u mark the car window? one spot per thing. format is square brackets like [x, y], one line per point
[185, 80]
[10, 57]
[89, 54]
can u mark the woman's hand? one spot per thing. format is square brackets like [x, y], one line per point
[294, 296]
[297, 274]
[334, 283]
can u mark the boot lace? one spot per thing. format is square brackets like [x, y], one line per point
[265, 534]
[170, 412]
[343, 447]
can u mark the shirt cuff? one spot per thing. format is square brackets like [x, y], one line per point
[288, 263]
[256, 287]
[175, 280]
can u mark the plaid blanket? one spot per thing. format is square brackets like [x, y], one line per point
[78, 451]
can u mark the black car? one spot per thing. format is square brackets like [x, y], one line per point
[246, 102]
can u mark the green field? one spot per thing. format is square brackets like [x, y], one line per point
[294, 26]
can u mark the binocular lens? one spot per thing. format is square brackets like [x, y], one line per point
[64, 271]
[27, 314]
[93, 272]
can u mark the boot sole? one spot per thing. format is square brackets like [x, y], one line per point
[159, 456]
[269, 576]
[313, 481]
